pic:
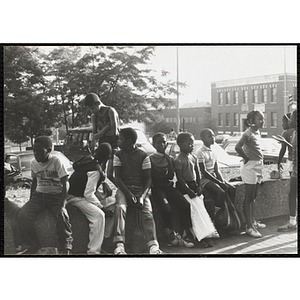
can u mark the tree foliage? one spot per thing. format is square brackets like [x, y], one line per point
[45, 90]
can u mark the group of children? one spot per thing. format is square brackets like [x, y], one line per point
[137, 175]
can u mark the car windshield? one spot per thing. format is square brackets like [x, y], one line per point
[63, 159]
[25, 162]
[141, 137]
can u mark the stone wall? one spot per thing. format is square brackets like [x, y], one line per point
[272, 201]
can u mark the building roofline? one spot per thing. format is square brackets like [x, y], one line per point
[250, 80]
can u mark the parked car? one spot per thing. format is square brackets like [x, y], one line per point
[78, 140]
[21, 161]
[229, 165]
[220, 138]
[270, 148]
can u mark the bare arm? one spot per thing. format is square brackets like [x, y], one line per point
[109, 128]
[120, 183]
[240, 151]
[281, 154]
[33, 186]
[183, 185]
[148, 183]
[64, 188]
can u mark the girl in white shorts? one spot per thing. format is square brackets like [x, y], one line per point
[248, 147]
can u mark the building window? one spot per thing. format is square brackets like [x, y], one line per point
[220, 98]
[220, 119]
[227, 119]
[235, 97]
[273, 119]
[265, 119]
[274, 95]
[264, 96]
[227, 98]
[255, 96]
[245, 97]
[235, 119]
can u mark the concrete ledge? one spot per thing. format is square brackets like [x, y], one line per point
[272, 201]
[45, 226]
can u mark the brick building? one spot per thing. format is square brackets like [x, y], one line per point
[231, 100]
[193, 117]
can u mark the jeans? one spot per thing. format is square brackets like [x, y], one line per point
[176, 214]
[96, 218]
[36, 204]
[145, 219]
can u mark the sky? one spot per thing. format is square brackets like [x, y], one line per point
[199, 66]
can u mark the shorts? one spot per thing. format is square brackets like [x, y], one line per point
[289, 165]
[251, 172]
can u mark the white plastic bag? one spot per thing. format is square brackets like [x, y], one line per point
[202, 224]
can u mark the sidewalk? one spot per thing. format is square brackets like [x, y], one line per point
[271, 242]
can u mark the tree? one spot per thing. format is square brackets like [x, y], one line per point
[42, 91]
[117, 75]
[27, 112]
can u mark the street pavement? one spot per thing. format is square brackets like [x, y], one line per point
[272, 242]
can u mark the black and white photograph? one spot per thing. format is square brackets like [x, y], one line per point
[142, 150]
[211, 85]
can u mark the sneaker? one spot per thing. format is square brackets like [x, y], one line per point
[120, 249]
[186, 242]
[287, 227]
[259, 225]
[253, 232]
[66, 252]
[154, 249]
[173, 241]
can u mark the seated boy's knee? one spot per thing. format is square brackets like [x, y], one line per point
[100, 215]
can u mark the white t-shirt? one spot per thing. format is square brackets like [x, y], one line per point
[48, 175]
[208, 157]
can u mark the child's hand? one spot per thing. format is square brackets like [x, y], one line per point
[191, 194]
[246, 160]
[199, 191]
[280, 167]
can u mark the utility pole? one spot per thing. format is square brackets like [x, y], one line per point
[285, 110]
[178, 113]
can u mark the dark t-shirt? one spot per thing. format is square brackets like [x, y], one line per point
[133, 165]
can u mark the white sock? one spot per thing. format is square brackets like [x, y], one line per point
[293, 220]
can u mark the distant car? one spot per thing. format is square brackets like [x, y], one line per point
[227, 163]
[270, 148]
[21, 161]
[78, 140]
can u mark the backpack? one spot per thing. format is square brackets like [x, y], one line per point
[227, 218]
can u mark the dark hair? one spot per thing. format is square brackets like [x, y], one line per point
[157, 135]
[103, 152]
[129, 134]
[293, 121]
[44, 140]
[287, 117]
[203, 132]
[251, 116]
[91, 99]
[183, 136]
